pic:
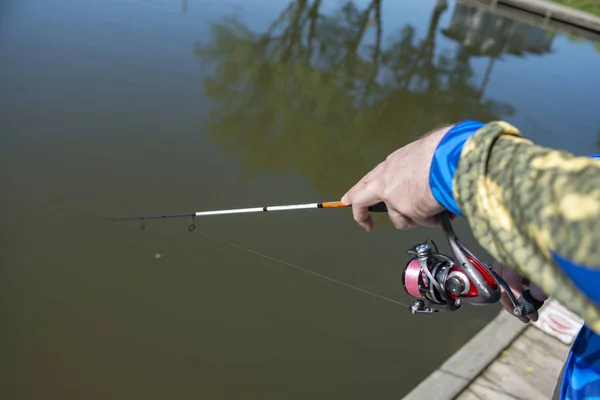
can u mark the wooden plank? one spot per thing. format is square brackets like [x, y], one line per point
[506, 360]
[466, 364]
[528, 369]
[503, 382]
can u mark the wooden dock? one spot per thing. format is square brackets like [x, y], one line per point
[544, 14]
[554, 11]
[507, 360]
[528, 369]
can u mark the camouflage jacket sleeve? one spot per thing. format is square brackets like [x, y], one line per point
[533, 208]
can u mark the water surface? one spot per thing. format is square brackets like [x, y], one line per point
[142, 107]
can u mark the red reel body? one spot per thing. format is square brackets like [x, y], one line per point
[438, 282]
[416, 282]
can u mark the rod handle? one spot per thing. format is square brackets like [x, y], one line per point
[379, 207]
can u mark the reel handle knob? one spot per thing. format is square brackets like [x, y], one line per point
[527, 304]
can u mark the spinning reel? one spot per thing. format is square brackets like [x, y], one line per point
[439, 282]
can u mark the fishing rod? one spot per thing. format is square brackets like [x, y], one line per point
[438, 282]
[379, 207]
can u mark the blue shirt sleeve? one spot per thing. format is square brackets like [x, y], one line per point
[586, 278]
[445, 161]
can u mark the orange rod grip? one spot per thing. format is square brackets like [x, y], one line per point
[333, 204]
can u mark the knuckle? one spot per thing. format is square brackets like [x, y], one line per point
[388, 198]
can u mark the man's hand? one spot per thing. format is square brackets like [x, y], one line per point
[518, 285]
[402, 182]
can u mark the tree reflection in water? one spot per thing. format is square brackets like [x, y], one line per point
[310, 97]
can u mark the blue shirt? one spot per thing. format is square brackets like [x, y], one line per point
[581, 378]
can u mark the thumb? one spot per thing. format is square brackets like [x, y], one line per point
[345, 199]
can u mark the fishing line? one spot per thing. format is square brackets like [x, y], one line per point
[268, 257]
[297, 267]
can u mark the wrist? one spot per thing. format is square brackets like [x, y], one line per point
[430, 203]
[445, 162]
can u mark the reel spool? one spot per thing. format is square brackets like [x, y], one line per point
[440, 282]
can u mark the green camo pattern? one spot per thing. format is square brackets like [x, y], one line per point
[523, 201]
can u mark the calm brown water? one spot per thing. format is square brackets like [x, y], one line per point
[135, 107]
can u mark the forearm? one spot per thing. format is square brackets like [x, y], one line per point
[535, 209]
[508, 187]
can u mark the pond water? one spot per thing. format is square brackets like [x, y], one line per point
[158, 106]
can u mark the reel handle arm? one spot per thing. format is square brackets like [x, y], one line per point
[526, 304]
[480, 275]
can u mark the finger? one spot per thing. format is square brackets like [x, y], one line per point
[363, 217]
[497, 267]
[512, 278]
[400, 221]
[363, 195]
[361, 199]
[537, 293]
[533, 317]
